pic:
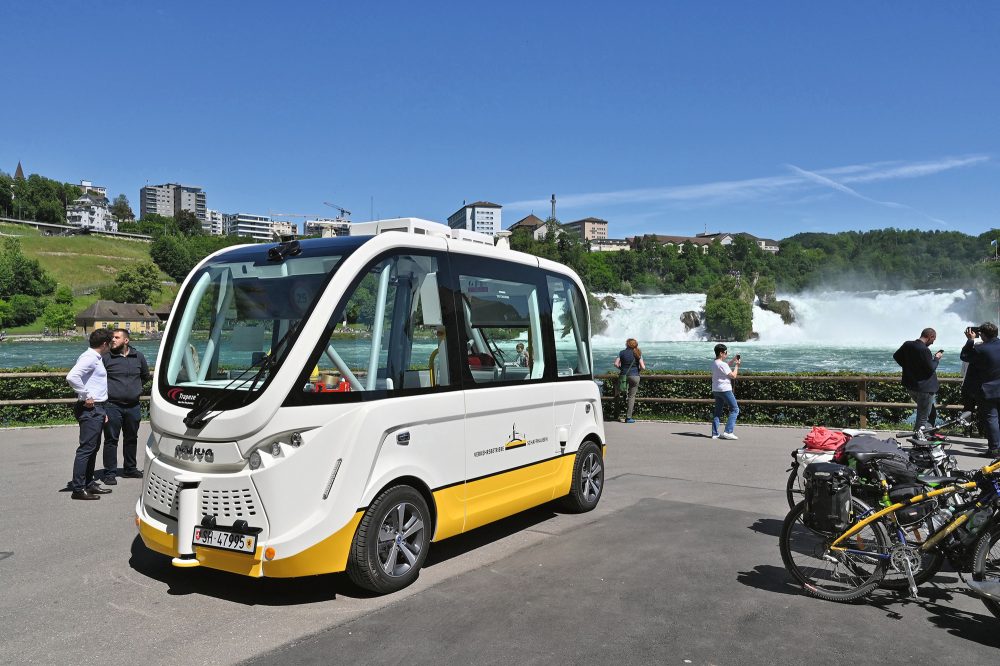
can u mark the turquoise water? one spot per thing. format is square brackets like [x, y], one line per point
[676, 355]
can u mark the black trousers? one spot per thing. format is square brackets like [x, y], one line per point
[123, 422]
[91, 426]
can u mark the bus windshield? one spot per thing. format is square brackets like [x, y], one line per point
[240, 315]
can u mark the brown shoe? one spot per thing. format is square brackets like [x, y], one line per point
[84, 495]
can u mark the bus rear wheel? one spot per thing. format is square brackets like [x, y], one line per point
[588, 479]
[391, 543]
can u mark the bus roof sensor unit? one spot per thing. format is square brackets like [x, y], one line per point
[415, 225]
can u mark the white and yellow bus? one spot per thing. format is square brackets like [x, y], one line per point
[337, 404]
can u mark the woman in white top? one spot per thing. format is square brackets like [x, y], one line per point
[723, 372]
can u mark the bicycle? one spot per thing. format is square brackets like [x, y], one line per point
[927, 452]
[849, 561]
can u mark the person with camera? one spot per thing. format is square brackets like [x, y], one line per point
[723, 372]
[983, 379]
[920, 374]
[629, 363]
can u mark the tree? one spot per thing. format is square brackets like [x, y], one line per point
[5, 314]
[188, 223]
[6, 194]
[173, 257]
[121, 209]
[64, 295]
[59, 317]
[21, 275]
[137, 283]
[24, 309]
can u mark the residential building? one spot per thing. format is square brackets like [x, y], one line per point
[258, 227]
[327, 227]
[765, 244]
[609, 245]
[136, 317]
[589, 228]
[87, 187]
[91, 211]
[531, 223]
[481, 216]
[215, 223]
[282, 228]
[167, 199]
[675, 241]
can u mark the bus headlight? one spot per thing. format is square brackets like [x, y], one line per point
[296, 439]
[254, 460]
[275, 449]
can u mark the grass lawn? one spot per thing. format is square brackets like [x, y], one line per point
[83, 263]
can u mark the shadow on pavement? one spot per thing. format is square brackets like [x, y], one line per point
[240, 589]
[768, 526]
[463, 543]
[699, 435]
[770, 579]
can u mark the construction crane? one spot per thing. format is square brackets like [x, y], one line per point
[344, 213]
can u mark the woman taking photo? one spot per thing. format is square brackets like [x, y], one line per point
[629, 363]
[722, 389]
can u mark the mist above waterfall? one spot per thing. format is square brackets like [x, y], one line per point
[839, 318]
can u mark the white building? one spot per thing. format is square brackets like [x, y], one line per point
[87, 187]
[327, 227]
[481, 216]
[215, 223]
[258, 227]
[91, 211]
[281, 228]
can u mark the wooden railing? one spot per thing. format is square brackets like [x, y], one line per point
[862, 403]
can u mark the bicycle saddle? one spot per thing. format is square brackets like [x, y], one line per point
[869, 456]
[936, 480]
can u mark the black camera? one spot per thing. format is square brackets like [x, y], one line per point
[974, 329]
[737, 357]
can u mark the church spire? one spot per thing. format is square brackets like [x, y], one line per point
[19, 172]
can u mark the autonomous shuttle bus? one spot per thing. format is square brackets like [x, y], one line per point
[337, 404]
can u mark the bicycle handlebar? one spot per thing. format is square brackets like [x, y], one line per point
[962, 419]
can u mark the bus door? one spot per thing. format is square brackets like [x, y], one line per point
[510, 442]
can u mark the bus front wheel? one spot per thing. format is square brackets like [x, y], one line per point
[588, 479]
[391, 543]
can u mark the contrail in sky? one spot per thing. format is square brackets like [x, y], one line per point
[829, 182]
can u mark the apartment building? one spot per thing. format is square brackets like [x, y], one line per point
[481, 216]
[589, 228]
[258, 227]
[91, 211]
[167, 199]
[327, 227]
[215, 223]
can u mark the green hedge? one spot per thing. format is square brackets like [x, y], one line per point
[40, 388]
[888, 389]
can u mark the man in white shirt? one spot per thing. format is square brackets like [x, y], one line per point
[90, 381]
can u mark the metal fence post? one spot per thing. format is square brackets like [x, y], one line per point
[863, 397]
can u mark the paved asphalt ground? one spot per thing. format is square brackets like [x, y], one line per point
[678, 564]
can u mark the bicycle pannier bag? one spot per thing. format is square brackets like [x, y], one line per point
[910, 514]
[828, 497]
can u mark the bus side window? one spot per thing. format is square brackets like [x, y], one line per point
[388, 332]
[570, 325]
[502, 329]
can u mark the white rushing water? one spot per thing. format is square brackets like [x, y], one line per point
[843, 319]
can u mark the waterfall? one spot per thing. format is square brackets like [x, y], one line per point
[838, 318]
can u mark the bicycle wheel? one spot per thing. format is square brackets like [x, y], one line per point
[793, 488]
[833, 575]
[986, 564]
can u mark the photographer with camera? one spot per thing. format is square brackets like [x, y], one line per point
[920, 374]
[983, 379]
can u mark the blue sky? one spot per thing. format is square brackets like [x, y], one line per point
[668, 117]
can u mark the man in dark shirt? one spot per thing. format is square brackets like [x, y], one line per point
[920, 373]
[983, 379]
[127, 372]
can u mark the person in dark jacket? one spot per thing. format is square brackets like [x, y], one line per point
[127, 372]
[920, 374]
[984, 370]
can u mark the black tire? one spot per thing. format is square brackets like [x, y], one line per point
[588, 479]
[986, 564]
[794, 492]
[392, 540]
[849, 576]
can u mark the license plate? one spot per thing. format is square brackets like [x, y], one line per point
[224, 539]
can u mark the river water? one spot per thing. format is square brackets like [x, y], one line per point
[833, 331]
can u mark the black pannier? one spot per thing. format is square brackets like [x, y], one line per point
[828, 497]
[910, 514]
[899, 469]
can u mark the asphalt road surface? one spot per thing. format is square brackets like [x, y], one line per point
[678, 564]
